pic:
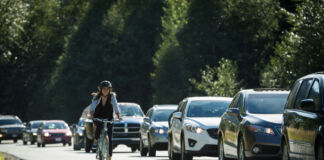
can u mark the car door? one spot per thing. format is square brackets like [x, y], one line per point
[310, 123]
[295, 134]
[176, 127]
[145, 127]
[230, 123]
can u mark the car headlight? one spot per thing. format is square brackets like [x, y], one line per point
[80, 134]
[193, 128]
[1, 135]
[46, 134]
[260, 129]
[159, 131]
[69, 133]
[34, 134]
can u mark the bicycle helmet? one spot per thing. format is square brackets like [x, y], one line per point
[105, 83]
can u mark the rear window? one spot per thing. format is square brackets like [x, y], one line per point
[207, 108]
[9, 122]
[55, 125]
[266, 103]
[162, 115]
[130, 111]
[36, 124]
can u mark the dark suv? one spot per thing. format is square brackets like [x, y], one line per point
[303, 120]
[11, 127]
[251, 126]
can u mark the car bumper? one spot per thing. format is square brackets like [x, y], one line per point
[126, 141]
[64, 139]
[268, 145]
[9, 136]
[159, 141]
[201, 144]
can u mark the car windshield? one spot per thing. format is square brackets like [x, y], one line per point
[36, 124]
[9, 122]
[55, 125]
[266, 103]
[162, 115]
[130, 111]
[207, 108]
[81, 123]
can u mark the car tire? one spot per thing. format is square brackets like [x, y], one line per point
[0, 141]
[64, 144]
[70, 144]
[241, 149]
[88, 144]
[320, 150]
[221, 155]
[171, 154]
[38, 144]
[32, 143]
[15, 140]
[151, 149]
[24, 142]
[143, 150]
[285, 151]
[133, 149]
[43, 145]
[184, 156]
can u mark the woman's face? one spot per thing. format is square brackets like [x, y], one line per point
[105, 91]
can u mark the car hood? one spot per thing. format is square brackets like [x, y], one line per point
[210, 122]
[160, 124]
[132, 120]
[272, 118]
[12, 126]
[56, 130]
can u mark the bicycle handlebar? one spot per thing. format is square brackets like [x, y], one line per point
[103, 120]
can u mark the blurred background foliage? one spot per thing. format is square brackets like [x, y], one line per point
[53, 53]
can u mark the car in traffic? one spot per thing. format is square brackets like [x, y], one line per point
[194, 125]
[11, 128]
[125, 132]
[30, 132]
[251, 126]
[53, 131]
[78, 135]
[154, 129]
[303, 119]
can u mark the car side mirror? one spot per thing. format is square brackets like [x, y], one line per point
[307, 105]
[233, 111]
[177, 115]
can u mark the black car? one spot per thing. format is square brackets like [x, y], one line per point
[78, 135]
[11, 128]
[30, 132]
[303, 120]
[251, 126]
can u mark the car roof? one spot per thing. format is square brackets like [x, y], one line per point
[265, 91]
[8, 117]
[36, 121]
[128, 104]
[314, 75]
[50, 121]
[165, 106]
[208, 98]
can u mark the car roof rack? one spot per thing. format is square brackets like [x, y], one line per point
[321, 72]
[270, 89]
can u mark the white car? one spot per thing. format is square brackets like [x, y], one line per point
[194, 125]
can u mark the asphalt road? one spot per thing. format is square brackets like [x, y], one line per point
[58, 152]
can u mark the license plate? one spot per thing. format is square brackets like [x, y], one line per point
[14, 135]
[58, 139]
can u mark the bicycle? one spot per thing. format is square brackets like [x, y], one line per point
[103, 142]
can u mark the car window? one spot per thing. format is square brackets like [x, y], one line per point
[234, 101]
[55, 125]
[149, 113]
[303, 91]
[292, 94]
[266, 103]
[36, 124]
[314, 94]
[81, 123]
[10, 122]
[240, 104]
[183, 109]
[162, 115]
[130, 111]
[207, 108]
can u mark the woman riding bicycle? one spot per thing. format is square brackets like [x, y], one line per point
[103, 104]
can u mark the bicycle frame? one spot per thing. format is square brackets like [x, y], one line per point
[102, 147]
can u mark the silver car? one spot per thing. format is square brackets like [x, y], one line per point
[153, 132]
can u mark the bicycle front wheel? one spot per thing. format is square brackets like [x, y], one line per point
[104, 148]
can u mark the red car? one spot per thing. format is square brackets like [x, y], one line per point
[54, 131]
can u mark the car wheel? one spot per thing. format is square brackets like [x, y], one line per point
[0, 141]
[88, 144]
[38, 144]
[241, 150]
[32, 143]
[221, 155]
[320, 150]
[184, 156]
[70, 144]
[15, 140]
[285, 152]
[151, 149]
[171, 154]
[43, 145]
[143, 150]
[24, 142]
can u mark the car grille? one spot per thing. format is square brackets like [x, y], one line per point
[126, 127]
[14, 130]
[57, 134]
[213, 132]
[125, 135]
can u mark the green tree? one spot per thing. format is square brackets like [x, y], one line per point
[219, 81]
